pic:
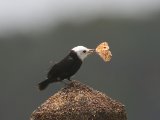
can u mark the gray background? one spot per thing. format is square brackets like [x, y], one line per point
[35, 34]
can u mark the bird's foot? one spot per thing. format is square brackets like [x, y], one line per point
[65, 83]
[69, 79]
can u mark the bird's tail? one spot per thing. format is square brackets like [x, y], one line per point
[42, 85]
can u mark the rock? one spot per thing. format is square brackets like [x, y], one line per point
[79, 102]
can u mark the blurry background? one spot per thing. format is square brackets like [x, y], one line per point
[35, 32]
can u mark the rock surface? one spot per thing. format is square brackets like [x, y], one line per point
[79, 102]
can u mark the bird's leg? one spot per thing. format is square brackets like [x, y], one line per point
[69, 78]
[66, 84]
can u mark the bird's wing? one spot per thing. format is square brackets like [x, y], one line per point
[61, 67]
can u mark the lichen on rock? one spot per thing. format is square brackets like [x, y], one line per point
[79, 102]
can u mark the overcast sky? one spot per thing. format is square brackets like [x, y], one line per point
[26, 14]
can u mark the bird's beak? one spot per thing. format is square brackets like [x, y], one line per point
[91, 51]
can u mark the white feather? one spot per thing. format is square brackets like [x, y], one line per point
[80, 52]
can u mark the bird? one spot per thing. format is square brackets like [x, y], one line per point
[67, 67]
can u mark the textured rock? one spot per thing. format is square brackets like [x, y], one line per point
[79, 102]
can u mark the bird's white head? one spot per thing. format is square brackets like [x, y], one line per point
[82, 52]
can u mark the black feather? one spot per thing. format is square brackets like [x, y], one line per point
[42, 85]
[62, 70]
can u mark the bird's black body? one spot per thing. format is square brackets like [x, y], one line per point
[62, 70]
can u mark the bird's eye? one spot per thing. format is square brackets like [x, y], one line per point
[84, 51]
